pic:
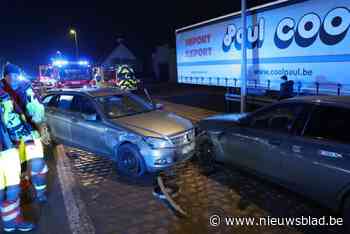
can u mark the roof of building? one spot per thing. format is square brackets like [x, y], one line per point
[121, 51]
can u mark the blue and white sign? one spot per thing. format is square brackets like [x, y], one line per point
[308, 41]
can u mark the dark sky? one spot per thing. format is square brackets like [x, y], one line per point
[32, 31]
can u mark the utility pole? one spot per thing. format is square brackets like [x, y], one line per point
[74, 33]
[243, 57]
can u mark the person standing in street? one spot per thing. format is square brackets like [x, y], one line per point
[32, 116]
[97, 80]
[286, 88]
[10, 171]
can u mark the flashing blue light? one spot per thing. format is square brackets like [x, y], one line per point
[83, 63]
[59, 63]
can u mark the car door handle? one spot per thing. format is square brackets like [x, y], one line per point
[274, 142]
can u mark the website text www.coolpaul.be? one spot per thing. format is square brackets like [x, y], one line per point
[284, 71]
[216, 220]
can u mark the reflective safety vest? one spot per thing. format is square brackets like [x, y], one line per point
[13, 122]
[128, 84]
[26, 103]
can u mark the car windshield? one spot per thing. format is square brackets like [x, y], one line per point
[120, 105]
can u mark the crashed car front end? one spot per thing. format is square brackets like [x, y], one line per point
[161, 153]
[208, 131]
[163, 139]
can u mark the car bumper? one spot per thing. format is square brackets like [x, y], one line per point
[173, 156]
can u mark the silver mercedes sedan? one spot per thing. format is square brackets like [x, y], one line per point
[133, 132]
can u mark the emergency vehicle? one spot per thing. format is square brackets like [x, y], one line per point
[65, 74]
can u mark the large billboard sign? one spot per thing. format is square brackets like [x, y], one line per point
[309, 41]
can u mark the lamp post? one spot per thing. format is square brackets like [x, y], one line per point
[244, 58]
[74, 33]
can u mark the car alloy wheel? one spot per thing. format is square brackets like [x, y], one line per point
[129, 161]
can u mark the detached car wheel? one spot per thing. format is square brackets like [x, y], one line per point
[129, 161]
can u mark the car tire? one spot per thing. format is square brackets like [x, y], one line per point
[129, 161]
[346, 213]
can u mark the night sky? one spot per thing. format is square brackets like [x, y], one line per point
[32, 31]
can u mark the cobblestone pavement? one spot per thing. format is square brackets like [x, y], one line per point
[228, 192]
[117, 204]
[120, 205]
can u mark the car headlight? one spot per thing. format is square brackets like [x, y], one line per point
[158, 143]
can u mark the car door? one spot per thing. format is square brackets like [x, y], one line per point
[318, 162]
[88, 131]
[262, 141]
[50, 103]
[58, 115]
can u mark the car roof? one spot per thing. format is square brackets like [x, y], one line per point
[336, 100]
[93, 92]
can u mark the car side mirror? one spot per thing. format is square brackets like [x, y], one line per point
[159, 106]
[90, 117]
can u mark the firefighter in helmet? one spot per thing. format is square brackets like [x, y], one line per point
[10, 167]
[25, 128]
[126, 77]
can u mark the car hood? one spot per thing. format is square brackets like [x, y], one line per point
[220, 122]
[155, 123]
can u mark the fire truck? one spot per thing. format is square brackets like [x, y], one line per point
[65, 74]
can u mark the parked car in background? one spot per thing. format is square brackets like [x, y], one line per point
[109, 122]
[302, 143]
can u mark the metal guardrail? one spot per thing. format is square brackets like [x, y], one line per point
[262, 93]
[308, 88]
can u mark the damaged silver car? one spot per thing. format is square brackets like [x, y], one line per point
[135, 133]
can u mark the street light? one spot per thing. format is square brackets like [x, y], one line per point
[244, 57]
[74, 33]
